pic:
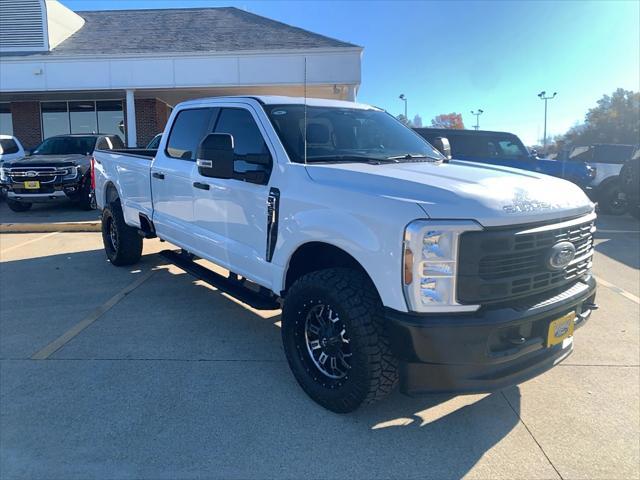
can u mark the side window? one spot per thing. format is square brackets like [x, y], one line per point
[8, 146]
[510, 149]
[188, 130]
[252, 157]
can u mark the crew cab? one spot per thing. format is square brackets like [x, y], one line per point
[57, 169]
[506, 149]
[391, 264]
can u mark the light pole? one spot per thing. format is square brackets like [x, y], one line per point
[543, 96]
[404, 99]
[477, 114]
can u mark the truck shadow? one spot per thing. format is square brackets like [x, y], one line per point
[225, 365]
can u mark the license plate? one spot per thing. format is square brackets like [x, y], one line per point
[560, 329]
[32, 185]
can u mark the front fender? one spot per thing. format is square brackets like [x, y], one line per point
[376, 244]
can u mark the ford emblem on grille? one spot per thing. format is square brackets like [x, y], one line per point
[31, 173]
[561, 255]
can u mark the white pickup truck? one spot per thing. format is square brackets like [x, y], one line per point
[392, 264]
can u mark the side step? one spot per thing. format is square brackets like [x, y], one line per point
[229, 285]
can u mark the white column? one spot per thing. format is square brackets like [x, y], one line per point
[351, 93]
[132, 135]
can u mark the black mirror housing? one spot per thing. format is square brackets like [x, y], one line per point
[442, 145]
[215, 156]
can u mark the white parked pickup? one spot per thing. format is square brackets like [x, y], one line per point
[391, 263]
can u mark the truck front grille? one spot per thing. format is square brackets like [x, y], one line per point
[40, 174]
[498, 265]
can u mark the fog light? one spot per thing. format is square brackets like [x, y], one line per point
[70, 189]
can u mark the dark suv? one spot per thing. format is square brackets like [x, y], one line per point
[57, 169]
[630, 183]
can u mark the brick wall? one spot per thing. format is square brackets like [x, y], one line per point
[151, 115]
[26, 123]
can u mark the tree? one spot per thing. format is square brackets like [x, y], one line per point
[616, 119]
[404, 120]
[417, 121]
[448, 120]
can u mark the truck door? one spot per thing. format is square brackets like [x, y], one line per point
[230, 215]
[171, 176]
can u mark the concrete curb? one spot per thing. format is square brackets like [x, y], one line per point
[91, 226]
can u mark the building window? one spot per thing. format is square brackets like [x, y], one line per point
[55, 119]
[110, 117]
[6, 121]
[82, 117]
[86, 116]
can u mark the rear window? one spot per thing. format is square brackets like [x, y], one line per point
[8, 146]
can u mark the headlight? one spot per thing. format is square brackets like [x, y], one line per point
[430, 263]
[3, 175]
[72, 172]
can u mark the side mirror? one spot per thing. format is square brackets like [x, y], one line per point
[215, 156]
[442, 145]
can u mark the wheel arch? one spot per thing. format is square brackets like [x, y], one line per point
[316, 255]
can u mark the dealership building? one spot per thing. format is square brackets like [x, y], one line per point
[122, 71]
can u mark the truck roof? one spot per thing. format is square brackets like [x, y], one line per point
[459, 131]
[284, 100]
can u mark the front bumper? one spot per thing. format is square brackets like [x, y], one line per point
[485, 350]
[68, 189]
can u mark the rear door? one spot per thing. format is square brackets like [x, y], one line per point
[171, 176]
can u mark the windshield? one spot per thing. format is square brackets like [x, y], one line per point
[346, 134]
[66, 146]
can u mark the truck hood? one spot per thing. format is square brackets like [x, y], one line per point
[488, 194]
[49, 161]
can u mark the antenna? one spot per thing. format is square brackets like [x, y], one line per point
[305, 111]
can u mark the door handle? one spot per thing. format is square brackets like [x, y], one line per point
[201, 186]
[158, 175]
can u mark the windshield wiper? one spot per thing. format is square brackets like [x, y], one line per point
[350, 158]
[412, 156]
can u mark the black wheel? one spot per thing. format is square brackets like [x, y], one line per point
[334, 338]
[18, 206]
[122, 243]
[610, 201]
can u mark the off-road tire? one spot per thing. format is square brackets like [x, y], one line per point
[608, 201]
[352, 296]
[128, 243]
[18, 206]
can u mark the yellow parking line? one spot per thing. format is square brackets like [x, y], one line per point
[63, 339]
[28, 242]
[621, 291]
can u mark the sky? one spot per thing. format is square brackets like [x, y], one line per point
[460, 56]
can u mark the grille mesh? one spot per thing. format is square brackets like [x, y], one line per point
[495, 266]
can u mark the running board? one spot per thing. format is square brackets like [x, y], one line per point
[229, 285]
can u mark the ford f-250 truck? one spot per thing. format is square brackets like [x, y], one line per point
[391, 264]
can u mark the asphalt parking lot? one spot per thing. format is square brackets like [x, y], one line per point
[146, 373]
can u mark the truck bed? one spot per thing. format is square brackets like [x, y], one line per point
[128, 170]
